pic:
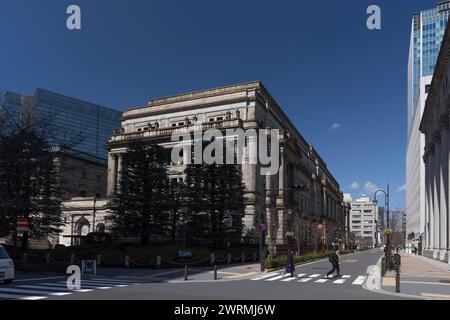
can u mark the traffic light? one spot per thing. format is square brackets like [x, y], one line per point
[300, 187]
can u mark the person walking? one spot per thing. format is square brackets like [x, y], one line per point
[334, 260]
[290, 265]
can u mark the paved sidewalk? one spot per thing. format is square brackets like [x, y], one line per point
[224, 272]
[422, 277]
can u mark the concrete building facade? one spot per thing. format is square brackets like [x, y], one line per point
[364, 222]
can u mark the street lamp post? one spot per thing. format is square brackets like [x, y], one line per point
[388, 242]
[184, 213]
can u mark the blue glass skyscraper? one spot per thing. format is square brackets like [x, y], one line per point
[427, 31]
[85, 127]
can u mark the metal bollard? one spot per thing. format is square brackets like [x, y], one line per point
[72, 258]
[229, 258]
[185, 273]
[158, 262]
[215, 272]
[397, 279]
[24, 257]
[243, 257]
[254, 257]
[99, 259]
[127, 261]
[213, 258]
[47, 258]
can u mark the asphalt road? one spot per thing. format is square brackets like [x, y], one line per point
[308, 284]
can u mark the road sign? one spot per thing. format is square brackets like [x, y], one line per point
[262, 227]
[22, 225]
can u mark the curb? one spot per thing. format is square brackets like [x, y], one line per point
[381, 291]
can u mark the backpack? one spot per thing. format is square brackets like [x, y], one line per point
[330, 257]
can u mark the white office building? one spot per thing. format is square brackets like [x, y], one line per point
[364, 222]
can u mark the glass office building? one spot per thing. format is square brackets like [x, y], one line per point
[83, 126]
[427, 31]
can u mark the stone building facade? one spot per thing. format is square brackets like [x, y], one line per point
[80, 175]
[435, 235]
[245, 106]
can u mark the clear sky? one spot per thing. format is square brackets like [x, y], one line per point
[343, 86]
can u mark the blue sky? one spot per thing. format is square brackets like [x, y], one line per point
[342, 85]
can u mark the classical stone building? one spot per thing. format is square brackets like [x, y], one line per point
[435, 235]
[245, 106]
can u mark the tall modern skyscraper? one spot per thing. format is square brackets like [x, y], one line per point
[427, 31]
[84, 126]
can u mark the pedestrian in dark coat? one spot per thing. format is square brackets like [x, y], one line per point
[290, 265]
[334, 260]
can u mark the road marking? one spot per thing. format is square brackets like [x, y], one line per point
[321, 280]
[301, 275]
[360, 280]
[15, 290]
[314, 275]
[289, 279]
[304, 279]
[266, 276]
[53, 288]
[278, 277]
[63, 284]
[33, 298]
[37, 279]
[111, 280]
[89, 282]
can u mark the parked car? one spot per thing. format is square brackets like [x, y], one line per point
[6, 266]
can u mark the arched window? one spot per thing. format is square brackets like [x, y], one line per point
[100, 228]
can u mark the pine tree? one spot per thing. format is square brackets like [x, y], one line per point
[216, 195]
[143, 192]
[28, 184]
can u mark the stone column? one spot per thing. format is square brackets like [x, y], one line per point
[112, 174]
[444, 185]
[280, 198]
[119, 171]
[436, 165]
[425, 241]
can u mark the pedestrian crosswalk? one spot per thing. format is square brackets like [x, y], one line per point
[313, 278]
[43, 290]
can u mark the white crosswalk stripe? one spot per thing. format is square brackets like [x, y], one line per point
[321, 281]
[64, 285]
[27, 291]
[360, 280]
[266, 276]
[278, 277]
[51, 288]
[314, 275]
[304, 279]
[41, 290]
[342, 280]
